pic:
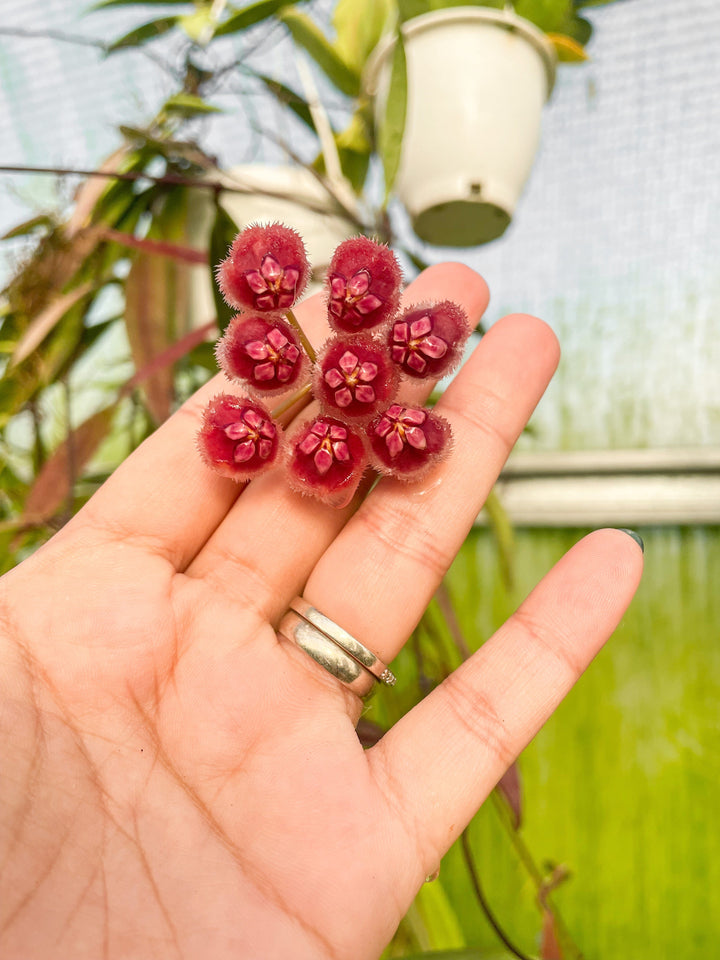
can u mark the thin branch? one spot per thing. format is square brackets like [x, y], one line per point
[80, 40]
[167, 178]
[539, 879]
[484, 905]
[53, 35]
[351, 215]
[295, 323]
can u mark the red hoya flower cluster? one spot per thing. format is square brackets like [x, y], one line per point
[355, 377]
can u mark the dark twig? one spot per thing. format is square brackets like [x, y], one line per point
[484, 905]
[534, 871]
[168, 178]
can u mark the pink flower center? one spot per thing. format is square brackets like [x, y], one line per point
[273, 286]
[327, 444]
[254, 434]
[414, 343]
[352, 380]
[401, 426]
[352, 299]
[275, 356]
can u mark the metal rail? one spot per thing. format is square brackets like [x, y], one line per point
[612, 487]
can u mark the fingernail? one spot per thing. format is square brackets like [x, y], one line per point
[636, 537]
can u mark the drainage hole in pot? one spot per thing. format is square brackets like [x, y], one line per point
[475, 189]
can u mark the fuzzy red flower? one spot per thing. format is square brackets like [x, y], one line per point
[407, 441]
[428, 340]
[238, 437]
[354, 378]
[267, 269]
[263, 352]
[363, 282]
[326, 460]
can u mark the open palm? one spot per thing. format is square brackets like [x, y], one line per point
[178, 781]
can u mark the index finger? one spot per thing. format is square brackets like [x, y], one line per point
[439, 763]
[163, 495]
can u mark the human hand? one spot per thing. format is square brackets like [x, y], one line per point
[177, 780]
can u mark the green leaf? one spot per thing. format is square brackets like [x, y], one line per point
[579, 4]
[441, 922]
[579, 29]
[552, 16]
[358, 28]
[249, 16]
[354, 146]
[188, 105]
[309, 36]
[291, 99]
[407, 9]
[41, 222]
[148, 306]
[134, 3]
[471, 954]
[145, 33]
[203, 355]
[504, 535]
[222, 235]
[393, 124]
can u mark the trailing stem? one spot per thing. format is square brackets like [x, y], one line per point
[482, 900]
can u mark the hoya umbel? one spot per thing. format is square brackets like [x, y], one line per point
[356, 377]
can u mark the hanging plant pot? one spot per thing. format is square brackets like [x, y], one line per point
[477, 82]
[288, 194]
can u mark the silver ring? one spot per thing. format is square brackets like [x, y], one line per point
[328, 654]
[342, 638]
[333, 648]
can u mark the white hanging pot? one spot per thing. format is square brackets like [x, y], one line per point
[477, 82]
[290, 195]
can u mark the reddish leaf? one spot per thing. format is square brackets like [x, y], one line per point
[176, 352]
[45, 321]
[550, 948]
[175, 251]
[52, 485]
[510, 789]
[148, 308]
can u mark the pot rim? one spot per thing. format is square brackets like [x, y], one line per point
[504, 19]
